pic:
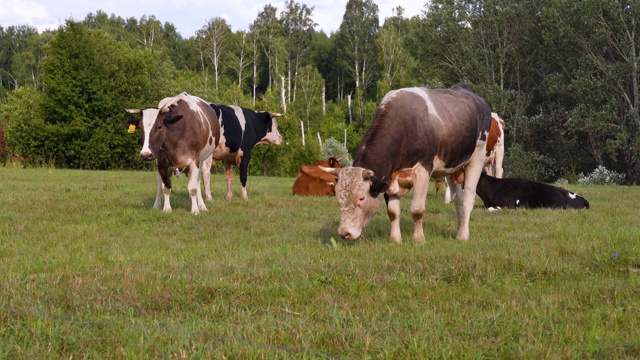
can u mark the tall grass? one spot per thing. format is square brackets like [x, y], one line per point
[89, 270]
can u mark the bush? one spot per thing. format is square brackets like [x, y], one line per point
[601, 176]
[333, 147]
[523, 164]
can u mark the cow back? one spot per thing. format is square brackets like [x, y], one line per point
[438, 129]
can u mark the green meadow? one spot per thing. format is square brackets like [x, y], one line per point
[88, 270]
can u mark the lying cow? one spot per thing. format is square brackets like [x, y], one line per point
[517, 193]
[313, 181]
[242, 129]
[433, 133]
[179, 134]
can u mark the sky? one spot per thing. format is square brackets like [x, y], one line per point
[188, 16]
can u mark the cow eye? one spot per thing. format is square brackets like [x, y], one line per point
[361, 198]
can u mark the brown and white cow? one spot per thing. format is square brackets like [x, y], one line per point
[495, 151]
[180, 133]
[432, 132]
[313, 181]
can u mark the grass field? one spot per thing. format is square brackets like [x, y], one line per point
[89, 270]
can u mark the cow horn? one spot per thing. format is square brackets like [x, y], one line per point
[165, 109]
[367, 174]
[274, 114]
[133, 111]
[330, 170]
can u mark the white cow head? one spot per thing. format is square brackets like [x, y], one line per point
[354, 195]
[272, 136]
[152, 124]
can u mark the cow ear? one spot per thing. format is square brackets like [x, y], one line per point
[378, 187]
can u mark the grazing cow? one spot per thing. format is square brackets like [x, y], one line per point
[313, 181]
[242, 129]
[180, 133]
[495, 152]
[517, 193]
[433, 133]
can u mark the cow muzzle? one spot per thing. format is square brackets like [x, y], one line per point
[349, 233]
[147, 155]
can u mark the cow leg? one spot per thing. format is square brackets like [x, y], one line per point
[464, 206]
[163, 191]
[244, 170]
[195, 193]
[447, 190]
[158, 203]
[393, 211]
[420, 188]
[457, 196]
[498, 161]
[206, 176]
[228, 174]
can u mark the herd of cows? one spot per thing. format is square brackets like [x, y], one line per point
[416, 134]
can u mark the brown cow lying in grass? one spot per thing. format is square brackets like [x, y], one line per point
[313, 181]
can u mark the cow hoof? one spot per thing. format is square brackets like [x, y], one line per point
[419, 239]
[396, 241]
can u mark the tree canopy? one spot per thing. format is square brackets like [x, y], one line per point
[564, 75]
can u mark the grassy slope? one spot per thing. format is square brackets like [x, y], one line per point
[90, 270]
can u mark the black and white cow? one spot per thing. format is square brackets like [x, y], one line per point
[427, 132]
[179, 134]
[241, 129]
[518, 193]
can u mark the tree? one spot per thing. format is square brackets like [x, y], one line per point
[241, 56]
[215, 38]
[269, 39]
[21, 54]
[605, 78]
[311, 85]
[297, 29]
[397, 63]
[356, 43]
[89, 78]
[149, 32]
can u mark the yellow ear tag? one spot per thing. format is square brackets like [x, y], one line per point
[132, 128]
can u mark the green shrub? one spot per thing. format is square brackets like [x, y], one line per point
[601, 176]
[523, 164]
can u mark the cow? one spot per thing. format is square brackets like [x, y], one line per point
[313, 181]
[179, 134]
[433, 132]
[242, 129]
[495, 147]
[519, 193]
[495, 152]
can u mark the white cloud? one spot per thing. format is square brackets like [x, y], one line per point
[23, 12]
[188, 16]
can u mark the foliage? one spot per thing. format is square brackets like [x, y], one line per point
[601, 176]
[523, 164]
[564, 76]
[333, 147]
[25, 130]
